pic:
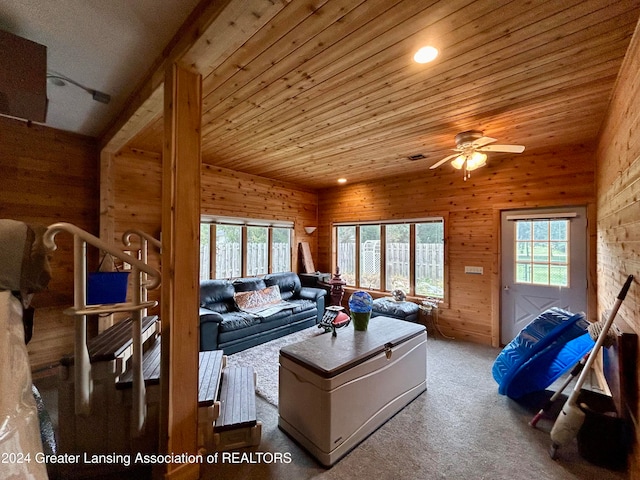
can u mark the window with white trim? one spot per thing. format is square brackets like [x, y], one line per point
[385, 256]
[234, 247]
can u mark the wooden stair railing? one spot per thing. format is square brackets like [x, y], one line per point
[80, 309]
[145, 239]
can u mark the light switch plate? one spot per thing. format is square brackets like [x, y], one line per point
[474, 270]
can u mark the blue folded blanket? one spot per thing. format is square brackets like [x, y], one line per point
[542, 352]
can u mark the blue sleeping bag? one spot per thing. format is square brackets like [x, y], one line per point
[542, 352]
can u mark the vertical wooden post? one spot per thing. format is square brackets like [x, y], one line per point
[180, 267]
[107, 217]
[107, 214]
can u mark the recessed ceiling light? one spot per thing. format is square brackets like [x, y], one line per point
[342, 180]
[426, 54]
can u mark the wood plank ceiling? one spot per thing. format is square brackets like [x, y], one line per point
[328, 88]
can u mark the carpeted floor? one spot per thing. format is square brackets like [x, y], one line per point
[460, 428]
[264, 360]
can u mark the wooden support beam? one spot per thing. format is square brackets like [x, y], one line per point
[180, 267]
[199, 45]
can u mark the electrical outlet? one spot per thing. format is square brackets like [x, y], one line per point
[474, 270]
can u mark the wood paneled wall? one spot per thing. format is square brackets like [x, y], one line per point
[233, 194]
[532, 179]
[49, 176]
[136, 185]
[618, 194]
[137, 188]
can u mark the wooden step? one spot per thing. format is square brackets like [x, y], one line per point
[210, 371]
[237, 425]
[211, 364]
[150, 368]
[210, 368]
[114, 342]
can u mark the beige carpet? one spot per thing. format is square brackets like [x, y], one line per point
[264, 359]
[459, 429]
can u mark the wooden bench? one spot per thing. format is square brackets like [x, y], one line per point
[237, 425]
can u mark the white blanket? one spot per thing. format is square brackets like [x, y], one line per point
[266, 310]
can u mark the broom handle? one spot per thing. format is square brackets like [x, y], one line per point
[601, 338]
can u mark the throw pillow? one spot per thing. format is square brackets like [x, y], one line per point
[258, 298]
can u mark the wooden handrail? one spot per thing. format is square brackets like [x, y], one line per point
[126, 238]
[140, 296]
[145, 240]
[53, 230]
[82, 368]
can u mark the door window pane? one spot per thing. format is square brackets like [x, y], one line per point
[559, 275]
[257, 251]
[559, 252]
[542, 252]
[397, 257]
[559, 230]
[540, 274]
[429, 259]
[523, 251]
[370, 256]
[523, 273]
[523, 231]
[541, 230]
[347, 254]
[281, 250]
[228, 251]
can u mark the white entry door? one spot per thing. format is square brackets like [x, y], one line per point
[544, 264]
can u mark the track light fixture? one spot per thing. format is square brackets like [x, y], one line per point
[61, 80]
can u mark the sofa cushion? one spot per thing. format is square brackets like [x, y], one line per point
[248, 284]
[217, 295]
[255, 300]
[288, 282]
[238, 321]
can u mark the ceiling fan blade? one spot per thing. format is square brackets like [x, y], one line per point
[502, 148]
[445, 159]
[482, 141]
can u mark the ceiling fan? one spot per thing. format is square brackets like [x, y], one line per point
[469, 155]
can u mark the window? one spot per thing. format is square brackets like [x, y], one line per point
[370, 257]
[386, 256]
[542, 252]
[347, 253]
[238, 250]
[281, 250]
[429, 259]
[398, 258]
[228, 248]
[257, 252]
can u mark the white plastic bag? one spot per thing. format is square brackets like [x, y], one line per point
[20, 441]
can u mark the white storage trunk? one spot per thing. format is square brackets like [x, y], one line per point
[335, 391]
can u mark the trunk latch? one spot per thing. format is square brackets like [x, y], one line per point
[387, 350]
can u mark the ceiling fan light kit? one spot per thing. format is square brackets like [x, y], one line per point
[476, 160]
[470, 146]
